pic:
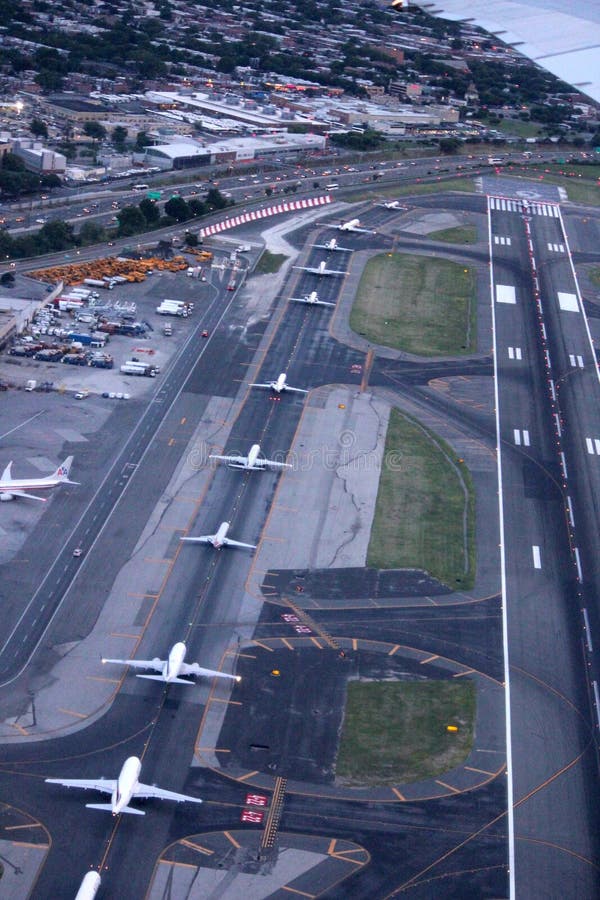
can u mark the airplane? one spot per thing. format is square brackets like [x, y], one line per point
[219, 539]
[280, 385]
[352, 225]
[311, 299]
[89, 886]
[320, 270]
[251, 462]
[170, 669]
[19, 487]
[124, 789]
[393, 204]
[333, 245]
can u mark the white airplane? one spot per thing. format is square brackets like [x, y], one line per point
[218, 540]
[311, 299]
[170, 669]
[393, 204]
[352, 225]
[124, 789]
[333, 245]
[280, 385]
[251, 462]
[89, 886]
[321, 269]
[19, 487]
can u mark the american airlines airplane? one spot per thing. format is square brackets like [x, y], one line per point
[311, 299]
[280, 385]
[320, 270]
[124, 789]
[352, 225]
[251, 462]
[170, 669]
[20, 487]
[218, 540]
[333, 245]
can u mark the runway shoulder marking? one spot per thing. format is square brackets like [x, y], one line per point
[568, 302]
[537, 557]
[505, 293]
[515, 353]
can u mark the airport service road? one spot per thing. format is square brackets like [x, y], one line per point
[554, 775]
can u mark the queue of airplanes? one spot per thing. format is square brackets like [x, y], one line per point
[127, 785]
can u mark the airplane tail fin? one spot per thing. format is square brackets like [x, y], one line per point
[6, 475]
[108, 808]
[62, 473]
[161, 678]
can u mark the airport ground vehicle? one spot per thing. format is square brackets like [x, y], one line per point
[135, 368]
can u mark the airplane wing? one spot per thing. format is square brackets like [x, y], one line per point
[305, 268]
[295, 390]
[311, 302]
[195, 669]
[229, 542]
[156, 664]
[271, 464]
[149, 790]
[261, 385]
[235, 460]
[24, 494]
[333, 272]
[106, 785]
[201, 539]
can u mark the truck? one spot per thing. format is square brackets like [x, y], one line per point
[98, 283]
[133, 368]
[169, 309]
[167, 330]
[101, 361]
[85, 339]
[31, 385]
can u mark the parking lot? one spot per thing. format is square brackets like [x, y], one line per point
[151, 347]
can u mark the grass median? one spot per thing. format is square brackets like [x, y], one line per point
[420, 304]
[463, 234]
[395, 732]
[425, 511]
[269, 263]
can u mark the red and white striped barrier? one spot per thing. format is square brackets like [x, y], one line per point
[286, 206]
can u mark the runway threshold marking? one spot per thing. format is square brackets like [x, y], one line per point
[232, 839]
[197, 847]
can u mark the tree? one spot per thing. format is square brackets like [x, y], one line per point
[95, 130]
[119, 136]
[449, 145]
[190, 239]
[197, 207]
[150, 211]
[142, 140]
[177, 208]
[216, 200]
[56, 235]
[38, 128]
[91, 233]
[7, 279]
[131, 220]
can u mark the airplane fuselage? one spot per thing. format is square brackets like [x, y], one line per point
[219, 538]
[172, 666]
[127, 782]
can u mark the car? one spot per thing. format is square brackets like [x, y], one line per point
[77, 551]
[81, 395]
[205, 333]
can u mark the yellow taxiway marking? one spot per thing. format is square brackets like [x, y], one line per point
[197, 847]
[232, 839]
[398, 794]
[137, 596]
[71, 712]
[212, 750]
[483, 771]
[247, 775]
[394, 649]
[221, 700]
[154, 559]
[449, 786]
[19, 728]
[264, 646]
[316, 643]
[26, 844]
[291, 509]
[134, 637]
[460, 674]
[274, 540]
[18, 827]
[429, 659]
[287, 643]
[173, 862]
[100, 678]
[171, 441]
[241, 655]
[292, 890]
[354, 644]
